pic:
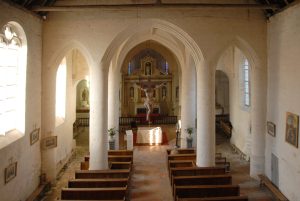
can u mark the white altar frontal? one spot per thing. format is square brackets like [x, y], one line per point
[149, 135]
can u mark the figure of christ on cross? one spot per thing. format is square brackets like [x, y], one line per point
[148, 89]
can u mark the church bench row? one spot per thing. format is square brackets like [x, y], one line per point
[93, 174]
[120, 152]
[94, 200]
[186, 151]
[220, 162]
[98, 183]
[113, 165]
[115, 158]
[224, 179]
[198, 191]
[194, 171]
[117, 193]
[227, 198]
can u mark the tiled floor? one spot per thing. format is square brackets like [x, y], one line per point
[150, 181]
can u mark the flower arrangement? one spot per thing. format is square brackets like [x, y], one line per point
[189, 130]
[112, 132]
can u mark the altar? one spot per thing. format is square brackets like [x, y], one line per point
[149, 135]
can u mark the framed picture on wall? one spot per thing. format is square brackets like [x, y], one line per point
[34, 136]
[49, 142]
[10, 172]
[271, 128]
[292, 128]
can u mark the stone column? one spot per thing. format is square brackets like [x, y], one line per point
[188, 99]
[258, 118]
[205, 117]
[113, 102]
[48, 122]
[98, 118]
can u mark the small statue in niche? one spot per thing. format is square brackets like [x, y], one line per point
[148, 68]
[84, 97]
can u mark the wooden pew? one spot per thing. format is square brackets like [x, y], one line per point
[98, 174]
[98, 183]
[120, 152]
[268, 183]
[182, 157]
[196, 171]
[115, 158]
[117, 193]
[206, 191]
[181, 151]
[224, 179]
[227, 198]
[113, 165]
[120, 165]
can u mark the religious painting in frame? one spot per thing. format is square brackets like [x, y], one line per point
[271, 128]
[49, 142]
[34, 136]
[292, 129]
[10, 172]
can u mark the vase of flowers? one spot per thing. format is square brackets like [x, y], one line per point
[111, 133]
[189, 137]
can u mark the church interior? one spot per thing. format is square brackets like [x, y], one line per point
[161, 100]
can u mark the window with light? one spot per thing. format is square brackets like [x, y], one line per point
[61, 85]
[246, 83]
[12, 81]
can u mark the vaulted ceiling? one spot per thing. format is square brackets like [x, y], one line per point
[270, 7]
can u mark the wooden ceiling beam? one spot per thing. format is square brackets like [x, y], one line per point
[156, 5]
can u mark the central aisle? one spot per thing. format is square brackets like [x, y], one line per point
[150, 180]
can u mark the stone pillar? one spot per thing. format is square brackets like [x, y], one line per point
[205, 117]
[188, 99]
[48, 122]
[113, 101]
[258, 118]
[98, 118]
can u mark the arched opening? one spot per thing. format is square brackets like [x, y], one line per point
[236, 67]
[150, 66]
[223, 125]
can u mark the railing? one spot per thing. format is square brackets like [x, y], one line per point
[82, 122]
[142, 120]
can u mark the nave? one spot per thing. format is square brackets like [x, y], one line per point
[150, 181]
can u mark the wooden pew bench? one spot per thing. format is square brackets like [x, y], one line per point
[113, 165]
[117, 193]
[206, 191]
[227, 198]
[224, 179]
[181, 151]
[180, 163]
[182, 157]
[115, 158]
[268, 183]
[98, 183]
[120, 152]
[196, 171]
[93, 200]
[98, 174]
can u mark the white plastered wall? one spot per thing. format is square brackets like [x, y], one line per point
[28, 157]
[284, 96]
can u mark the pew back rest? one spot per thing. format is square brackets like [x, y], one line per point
[98, 183]
[206, 191]
[93, 193]
[90, 174]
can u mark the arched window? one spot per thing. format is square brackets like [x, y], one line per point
[12, 80]
[61, 85]
[246, 82]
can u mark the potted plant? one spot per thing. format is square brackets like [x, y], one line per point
[189, 137]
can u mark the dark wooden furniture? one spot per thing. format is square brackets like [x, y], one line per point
[268, 183]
